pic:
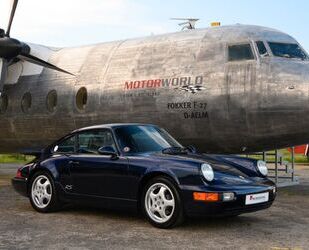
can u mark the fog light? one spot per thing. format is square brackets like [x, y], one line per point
[198, 196]
[228, 196]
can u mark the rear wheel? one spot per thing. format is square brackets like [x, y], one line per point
[161, 203]
[43, 196]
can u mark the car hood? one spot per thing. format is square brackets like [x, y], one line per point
[219, 165]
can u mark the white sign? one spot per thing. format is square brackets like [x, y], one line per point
[256, 198]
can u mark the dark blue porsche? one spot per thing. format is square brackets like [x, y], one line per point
[139, 166]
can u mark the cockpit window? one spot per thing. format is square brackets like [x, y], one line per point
[262, 49]
[287, 50]
[240, 52]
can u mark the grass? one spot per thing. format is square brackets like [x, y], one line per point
[299, 158]
[15, 158]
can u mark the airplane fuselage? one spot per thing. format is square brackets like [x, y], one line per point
[185, 82]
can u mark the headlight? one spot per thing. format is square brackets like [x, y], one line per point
[262, 167]
[207, 172]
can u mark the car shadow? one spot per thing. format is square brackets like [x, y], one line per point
[189, 223]
[100, 211]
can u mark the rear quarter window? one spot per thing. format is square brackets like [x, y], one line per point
[240, 52]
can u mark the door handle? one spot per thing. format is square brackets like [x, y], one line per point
[74, 162]
[291, 87]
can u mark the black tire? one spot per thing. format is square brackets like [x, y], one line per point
[54, 203]
[177, 216]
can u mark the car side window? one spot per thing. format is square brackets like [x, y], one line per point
[66, 146]
[240, 52]
[90, 141]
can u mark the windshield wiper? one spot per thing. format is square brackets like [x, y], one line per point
[174, 150]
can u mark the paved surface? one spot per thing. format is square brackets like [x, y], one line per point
[284, 226]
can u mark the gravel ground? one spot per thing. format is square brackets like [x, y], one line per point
[283, 226]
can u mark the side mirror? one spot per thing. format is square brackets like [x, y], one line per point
[108, 150]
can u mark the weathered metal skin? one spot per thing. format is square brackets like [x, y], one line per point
[239, 106]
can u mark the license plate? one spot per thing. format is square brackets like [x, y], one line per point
[256, 198]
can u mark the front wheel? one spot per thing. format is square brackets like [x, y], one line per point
[162, 205]
[43, 197]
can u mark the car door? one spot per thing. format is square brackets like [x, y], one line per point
[95, 174]
[64, 149]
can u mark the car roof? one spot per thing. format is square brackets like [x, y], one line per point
[111, 126]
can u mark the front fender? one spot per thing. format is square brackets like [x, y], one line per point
[160, 170]
[183, 173]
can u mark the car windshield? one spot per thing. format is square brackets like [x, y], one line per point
[144, 139]
[287, 50]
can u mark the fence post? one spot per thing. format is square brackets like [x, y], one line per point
[276, 166]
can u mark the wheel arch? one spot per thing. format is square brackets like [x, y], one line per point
[38, 170]
[146, 178]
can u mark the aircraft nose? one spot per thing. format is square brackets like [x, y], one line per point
[295, 105]
[284, 107]
[296, 72]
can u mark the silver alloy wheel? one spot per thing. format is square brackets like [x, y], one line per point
[41, 191]
[159, 202]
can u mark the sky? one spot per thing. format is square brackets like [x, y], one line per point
[64, 23]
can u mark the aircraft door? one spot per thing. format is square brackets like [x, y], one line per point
[240, 84]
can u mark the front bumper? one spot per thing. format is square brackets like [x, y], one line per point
[226, 208]
[20, 186]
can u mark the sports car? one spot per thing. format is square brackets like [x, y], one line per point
[141, 167]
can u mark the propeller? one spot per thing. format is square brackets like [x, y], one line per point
[12, 50]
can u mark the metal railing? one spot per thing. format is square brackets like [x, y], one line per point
[280, 171]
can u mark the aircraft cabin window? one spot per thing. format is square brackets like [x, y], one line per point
[26, 102]
[89, 142]
[81, 98]
[3, 103]
[262, 49]
[51, 101]
[287, 50]
[66, 146]
[240, 52]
